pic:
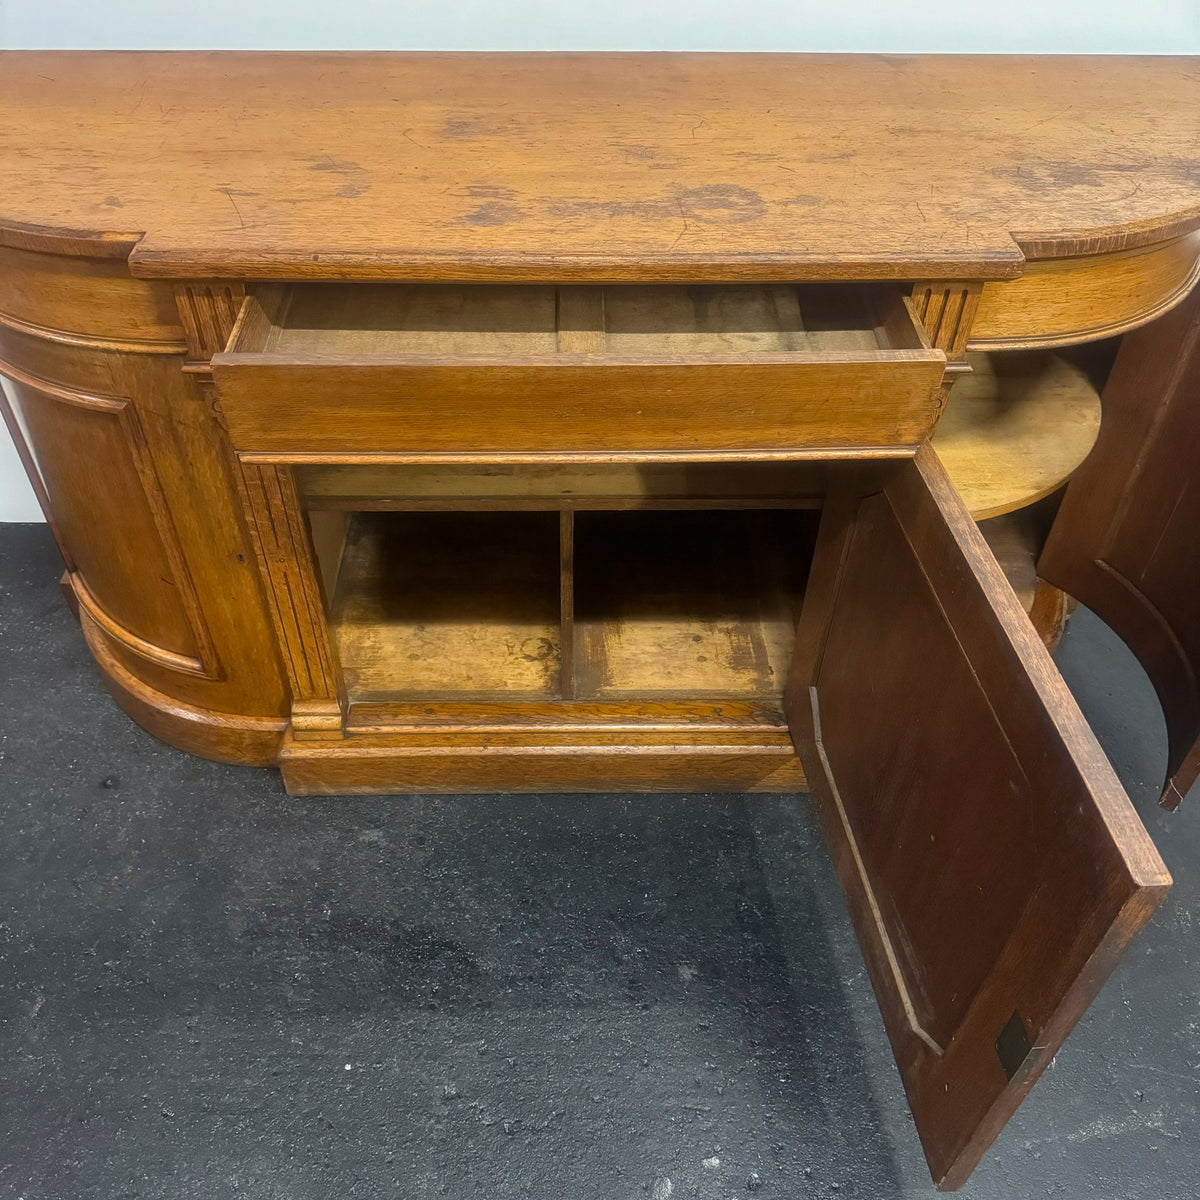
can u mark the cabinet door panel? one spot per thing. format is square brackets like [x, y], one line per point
[1125, 542]
[993, 865]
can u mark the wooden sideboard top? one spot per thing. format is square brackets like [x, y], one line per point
[670, 167]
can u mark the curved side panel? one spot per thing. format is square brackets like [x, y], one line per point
[108, 508]
[1060, 301]
[224, 737]
[130, 461]
[94, 297]
[1125, 539]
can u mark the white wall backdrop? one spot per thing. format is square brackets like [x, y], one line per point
[968, 26]
[982, 26]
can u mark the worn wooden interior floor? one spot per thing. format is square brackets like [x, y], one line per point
[484, 605]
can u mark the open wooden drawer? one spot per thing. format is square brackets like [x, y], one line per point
[444, 368]
[993, 865]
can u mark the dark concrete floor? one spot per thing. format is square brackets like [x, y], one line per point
[208, 989]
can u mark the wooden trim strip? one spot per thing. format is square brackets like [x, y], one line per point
[25, 454]
[58, 391]
[881, 932]
[400, 263]
[566, 600]
[300, 458]
[1105, 240]
[285, 558]
[76, 243]
[225, 737]
[945, 311]
[567, 718]
[159, 655]
[208, 312]
[118, 345]
[882, 358]
[164, 522]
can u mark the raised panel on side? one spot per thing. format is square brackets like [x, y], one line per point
[124, 444]
[993, 865]
[1126, 541]
[91, 461]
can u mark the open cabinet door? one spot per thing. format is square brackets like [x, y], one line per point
[993, 866]
[1126, 541]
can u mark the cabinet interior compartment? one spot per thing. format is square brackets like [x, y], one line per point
[562, 588]
[565, 607]
[505, 321]
[429, 605]
[678, 604]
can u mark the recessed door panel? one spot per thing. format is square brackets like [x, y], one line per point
[992, 862]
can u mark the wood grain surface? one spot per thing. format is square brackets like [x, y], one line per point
[1015, 428]
[993, 866]
[1125, 539]
[651, 167]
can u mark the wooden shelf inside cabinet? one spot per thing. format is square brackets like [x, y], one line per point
[687, 604]
[1016, 427]
[1016, 540]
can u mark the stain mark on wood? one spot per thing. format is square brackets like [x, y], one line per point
[358, 178]
[494, 212]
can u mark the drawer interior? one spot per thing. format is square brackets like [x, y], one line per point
[415, 370]
[440, 321]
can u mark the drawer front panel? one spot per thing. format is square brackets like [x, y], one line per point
[280, 407]
[439, 368]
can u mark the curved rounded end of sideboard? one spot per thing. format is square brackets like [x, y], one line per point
[224, 737]
[1085, 297]
[127, 453]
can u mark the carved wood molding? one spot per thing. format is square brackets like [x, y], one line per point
[208, 312]
[88, 342]
[284, 547]
[947, 310]
[125, 637]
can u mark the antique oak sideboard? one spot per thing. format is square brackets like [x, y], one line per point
[646, 422]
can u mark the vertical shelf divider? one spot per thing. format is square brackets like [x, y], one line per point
[566, 543]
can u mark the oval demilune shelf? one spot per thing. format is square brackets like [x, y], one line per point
[1016, 427]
